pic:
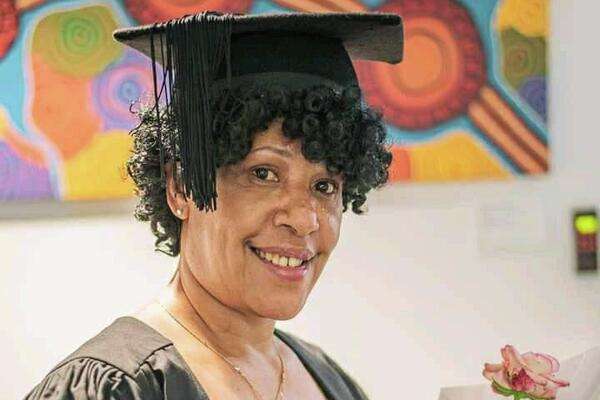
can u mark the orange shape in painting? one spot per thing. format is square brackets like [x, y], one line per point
[443, 68]
[98, 172]
[150, 11]
[454, 157]
[24, 5]
[323, 5]
[424, 63]
[61, 108]
[400, 168]
[431, 67]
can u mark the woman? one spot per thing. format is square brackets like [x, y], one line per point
[288, 146]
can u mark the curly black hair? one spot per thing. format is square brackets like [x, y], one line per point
[334, 127]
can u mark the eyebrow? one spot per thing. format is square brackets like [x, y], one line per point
[278, 150]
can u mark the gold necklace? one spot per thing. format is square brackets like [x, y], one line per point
[237, 369]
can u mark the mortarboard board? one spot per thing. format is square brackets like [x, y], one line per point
[206, 53]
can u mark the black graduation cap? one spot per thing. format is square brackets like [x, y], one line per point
[205, 53]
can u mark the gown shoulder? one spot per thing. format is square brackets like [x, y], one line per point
[128, 360]
[87, 378]
[116, 364]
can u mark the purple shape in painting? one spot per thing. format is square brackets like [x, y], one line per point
[114, 90]
[21, 180]
[533, 90]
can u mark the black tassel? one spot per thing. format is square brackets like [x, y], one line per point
[195, 47]
[157, 105]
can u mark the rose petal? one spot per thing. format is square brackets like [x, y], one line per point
[547, 392]
[543, 379]
[558, 382]
[495, 374]
[523, 382]
[537, 378]
[531, 373]
[492, 367]
[541, 363]
[512, 359]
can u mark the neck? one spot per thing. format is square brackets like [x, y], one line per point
[235, 333]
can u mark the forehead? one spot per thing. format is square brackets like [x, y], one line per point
[274, 136]
[274, 139]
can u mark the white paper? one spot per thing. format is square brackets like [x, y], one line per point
[581, 371]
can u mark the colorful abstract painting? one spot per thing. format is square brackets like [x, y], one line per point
[468, 102]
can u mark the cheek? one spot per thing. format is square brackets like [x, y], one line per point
[199, 230]
[239, 201]
[330, 228]
[211, 233]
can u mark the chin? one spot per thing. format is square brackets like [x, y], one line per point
[280, 311]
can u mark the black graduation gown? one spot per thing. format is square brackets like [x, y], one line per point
[129, 360]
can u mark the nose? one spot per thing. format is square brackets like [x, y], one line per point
[298, 212]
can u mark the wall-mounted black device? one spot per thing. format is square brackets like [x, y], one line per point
[586, 225]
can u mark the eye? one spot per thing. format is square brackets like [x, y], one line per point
[265, 174]
[326, 187]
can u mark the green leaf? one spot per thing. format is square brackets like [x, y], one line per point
[516, 394]
[502, 390]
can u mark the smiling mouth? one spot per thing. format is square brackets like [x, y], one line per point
[280, 260]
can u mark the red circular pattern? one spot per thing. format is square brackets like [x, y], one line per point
[9, 24]
[150, 11]
[443, 68]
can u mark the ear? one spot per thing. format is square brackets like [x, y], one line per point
[175, 197]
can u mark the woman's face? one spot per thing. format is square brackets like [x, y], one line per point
[272, 204]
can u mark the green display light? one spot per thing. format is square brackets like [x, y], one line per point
[586, 224]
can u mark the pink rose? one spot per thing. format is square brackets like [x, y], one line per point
[527, 376]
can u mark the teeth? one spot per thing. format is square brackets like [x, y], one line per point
[282, 261]
[294, 262]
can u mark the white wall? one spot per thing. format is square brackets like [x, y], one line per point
[421, 292]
